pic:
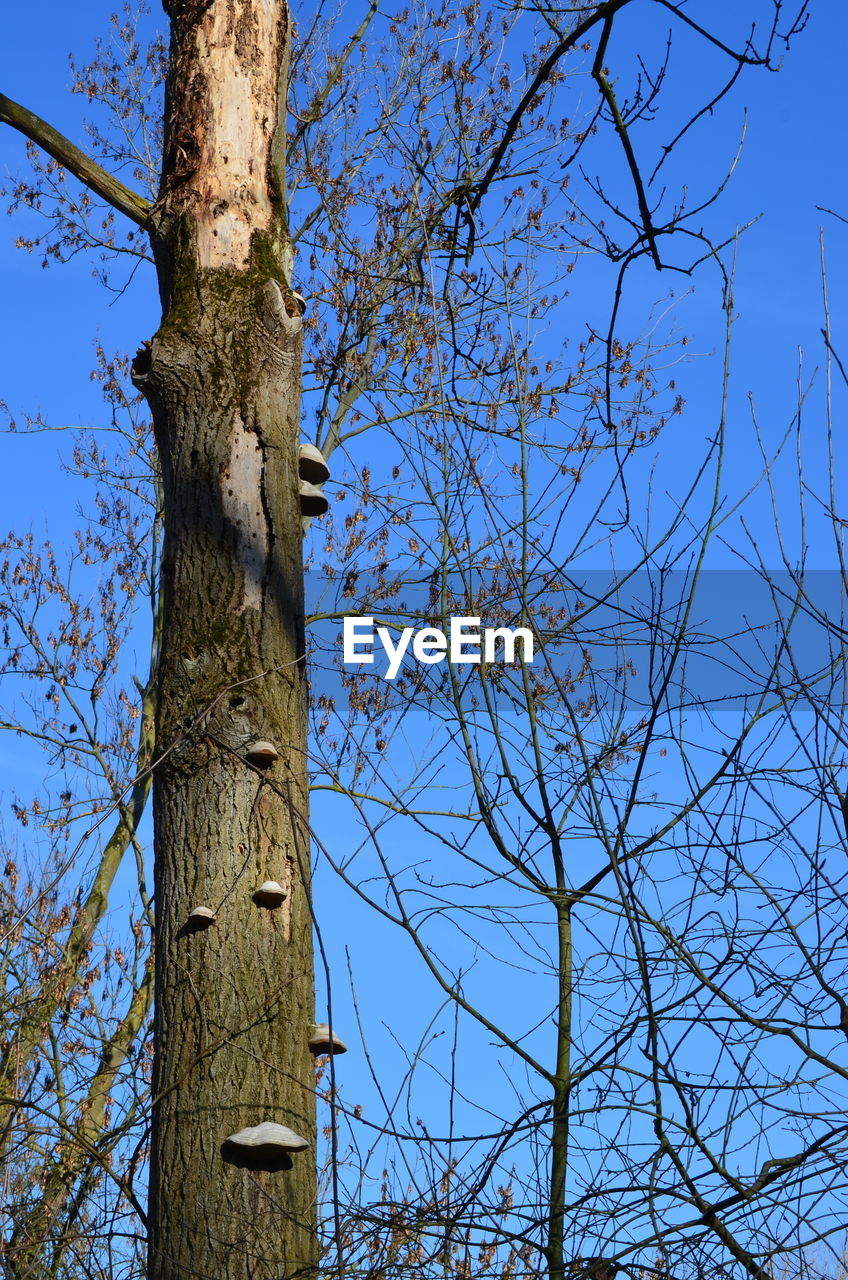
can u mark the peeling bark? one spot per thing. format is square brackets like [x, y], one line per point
[228, 66]
[243, 496]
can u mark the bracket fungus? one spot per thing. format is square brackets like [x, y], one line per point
[322, 1040]
[312, 500]
[200, 918]
[269, 894]
[267, 1146]
[261, 754]
[311, 465]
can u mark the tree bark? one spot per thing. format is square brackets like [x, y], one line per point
[561, 1103]
[234, 1002]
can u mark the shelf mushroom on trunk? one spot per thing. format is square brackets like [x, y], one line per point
[200, 918]
[312, 500]
[261, 754]
[322, 1040]
[313, 471]
[269, 894]
[311, 465]
[267, 1146]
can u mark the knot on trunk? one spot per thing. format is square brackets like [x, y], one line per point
[141, 365]
[281, 312]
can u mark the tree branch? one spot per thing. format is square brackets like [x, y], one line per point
[77, 162]
[600, 78]
[568, 42]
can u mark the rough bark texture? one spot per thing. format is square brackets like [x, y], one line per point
[234, 1002]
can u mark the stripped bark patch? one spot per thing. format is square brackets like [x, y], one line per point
[241, 499]
[226, 87]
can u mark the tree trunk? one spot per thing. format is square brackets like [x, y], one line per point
[561, 1103]
[234, 1001]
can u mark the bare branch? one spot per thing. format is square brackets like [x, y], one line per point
[80, 165]
[604, 12]
[609, 97]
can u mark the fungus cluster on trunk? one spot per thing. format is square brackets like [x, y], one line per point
[313, 471]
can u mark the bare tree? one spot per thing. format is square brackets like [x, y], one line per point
[423, 169]
[633, 837]
[73, 1066]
